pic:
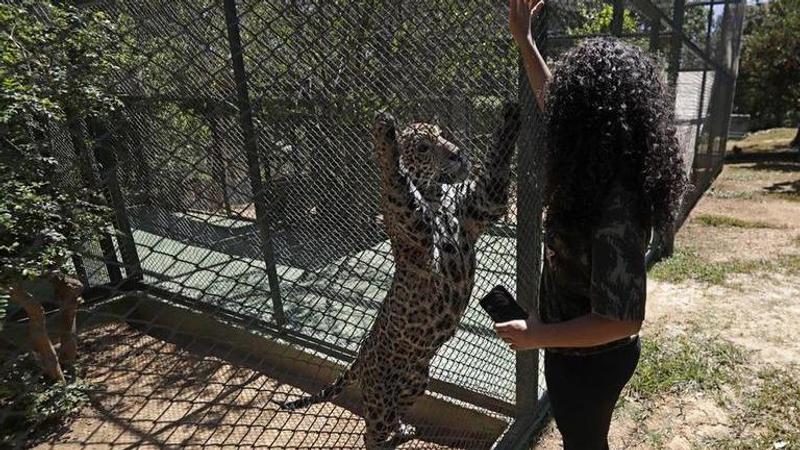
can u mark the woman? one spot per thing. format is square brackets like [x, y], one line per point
[613, 173]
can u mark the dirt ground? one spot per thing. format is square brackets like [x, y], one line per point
[756, 310]
[154, 394]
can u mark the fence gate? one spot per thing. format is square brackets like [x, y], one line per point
[248, 258]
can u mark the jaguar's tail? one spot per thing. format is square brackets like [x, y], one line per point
[326, 394]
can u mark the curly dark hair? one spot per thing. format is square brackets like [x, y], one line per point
[610, 116]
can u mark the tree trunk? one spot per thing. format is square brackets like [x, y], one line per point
[796, 141]
[68, 294]
[38, 332]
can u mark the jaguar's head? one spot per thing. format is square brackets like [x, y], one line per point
[428, 158]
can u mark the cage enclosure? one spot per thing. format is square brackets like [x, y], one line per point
[247, 258]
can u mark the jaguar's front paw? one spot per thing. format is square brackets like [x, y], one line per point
[384, 128]
[384, 119]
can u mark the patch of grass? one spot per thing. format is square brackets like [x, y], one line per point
[765, 140]
[687, 265]
[788, 196]
[789, 263]
[751, 195]
[724, 194]
[763, 405]
[796, 240]
[32, 405]
[684, 363]
[769, 416]
[655, 438]
[714, 220]
[741, 173]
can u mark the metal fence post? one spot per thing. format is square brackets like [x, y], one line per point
[618, 18]
[733, 21]
[529, 250]
[218, 160]
[664, 243]
[655, 36]
[107, 159]
[676, 43]
[725, 79]
[86, 170]
[251, 150]
[702, 112]
[529, 207]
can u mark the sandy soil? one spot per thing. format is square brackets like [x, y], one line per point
[154, 394]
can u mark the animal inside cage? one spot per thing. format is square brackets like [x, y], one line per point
[247, 256]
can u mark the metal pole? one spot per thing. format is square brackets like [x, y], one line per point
[676, 44]
[529, 250]
[708, 116]
[80, 270]
[618, 18]
[105, 156]
[529, 208]
[733, 20]
[86, 169]
[529, 410]
[218, 160]
[700, 165]
[251, 150]
[655, 36]
[665, 243]
[703, 111]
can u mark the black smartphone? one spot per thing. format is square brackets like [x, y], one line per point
[501, 306]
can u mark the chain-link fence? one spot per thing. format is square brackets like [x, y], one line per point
[249, 257]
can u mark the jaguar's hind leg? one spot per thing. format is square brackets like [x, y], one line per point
[380, 413]
[413, 389]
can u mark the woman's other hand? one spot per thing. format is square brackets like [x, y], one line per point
[519, 19]
[519, 334]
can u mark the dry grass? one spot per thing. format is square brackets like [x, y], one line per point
[715, 220]
[670, 365]
[764, 141]
[687, 265]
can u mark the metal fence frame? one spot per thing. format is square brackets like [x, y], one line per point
[119, 256]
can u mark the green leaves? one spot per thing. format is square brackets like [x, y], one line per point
[598, 21]
[55, 59]
[769, 75]
[31, 403]
[50, 66]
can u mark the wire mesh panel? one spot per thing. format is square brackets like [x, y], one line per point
[246, 258]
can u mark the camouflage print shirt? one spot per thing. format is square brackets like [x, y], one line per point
[599, 270]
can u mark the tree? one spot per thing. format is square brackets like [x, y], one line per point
[57, 63]
[595, 21]
[769, 73]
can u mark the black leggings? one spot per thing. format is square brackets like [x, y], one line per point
[583, 391]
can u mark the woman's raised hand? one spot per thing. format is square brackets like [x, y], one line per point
[519, 19]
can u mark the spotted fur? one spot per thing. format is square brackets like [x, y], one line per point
[433, 229]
